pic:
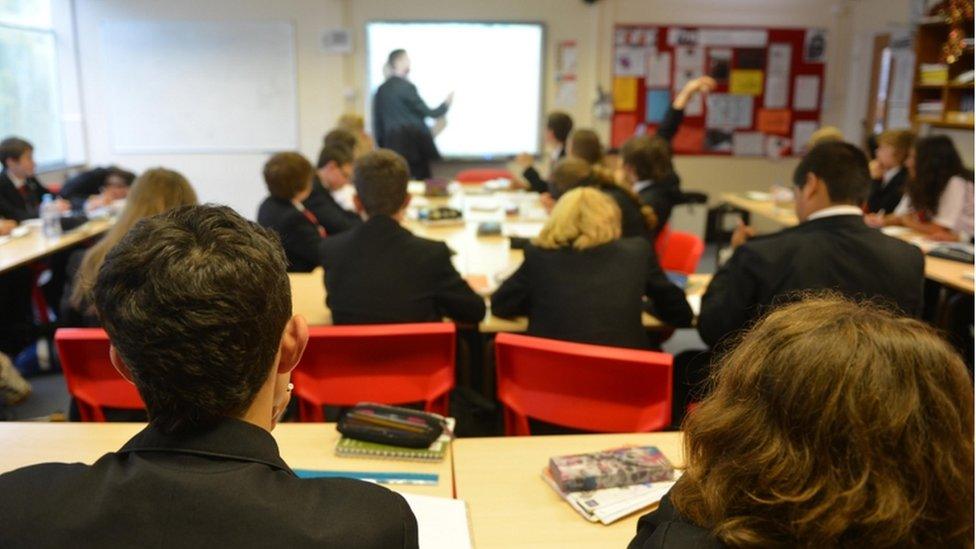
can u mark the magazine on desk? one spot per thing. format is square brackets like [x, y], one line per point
[609, 505]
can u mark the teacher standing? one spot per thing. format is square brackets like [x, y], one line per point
[399, 117]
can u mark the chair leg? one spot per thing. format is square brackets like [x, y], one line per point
[97, 414]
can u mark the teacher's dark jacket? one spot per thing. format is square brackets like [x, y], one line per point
[222, 487]
[886, 196]
[399, 122]
[380, 272]
[838, 253]
[592, 296]
[23, 203]
[300, 237]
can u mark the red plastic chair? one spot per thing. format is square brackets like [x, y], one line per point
[477, 176]
[682, 252]
[91, 378]
[590, 387]
[661, 242]
[385, 363]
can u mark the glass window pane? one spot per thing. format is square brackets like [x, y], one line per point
[29, 103]
[33, 13]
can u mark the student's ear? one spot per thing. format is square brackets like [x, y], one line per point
[358, 204]
[120, 366]
[293, 342]
[812, 186]
[406, 202]
[323, 174]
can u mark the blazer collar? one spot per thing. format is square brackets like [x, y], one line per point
[842, 222]
[230, 439]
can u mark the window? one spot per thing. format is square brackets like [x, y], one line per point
[30, 105]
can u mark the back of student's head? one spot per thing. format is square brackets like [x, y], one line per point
[123, 175]
[336, 153]
[560, 124]
[381, 178]
[901, 140]
[824, 134]
[936, 162]
[195, 301]
[12, 148]
[648, 157]
[287, 175]
[156, 191]
[352, 122]
[585, 144]
[582, 218]
[843, 169]
[833, 423]
[570, 173]
[343, 137]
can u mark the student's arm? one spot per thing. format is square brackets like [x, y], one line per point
[730, 302]
[301, 242]
[676, 112]
[511, 299]
[536, 183]
[453, 296]
[667, 301]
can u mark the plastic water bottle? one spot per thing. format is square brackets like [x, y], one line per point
[50, 217]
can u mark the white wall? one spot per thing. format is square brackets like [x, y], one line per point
[329, 85]
[233, 179]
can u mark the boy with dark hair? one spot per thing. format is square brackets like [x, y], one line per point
[288, 176]
[97, 187]
[197, 306]
[379, 272]
[647, 166]
[558, 126]
[20, 191]
[331, 184]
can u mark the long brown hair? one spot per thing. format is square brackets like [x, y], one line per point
[570, 173]
[157, 190]
[936, 162]
[833, 424]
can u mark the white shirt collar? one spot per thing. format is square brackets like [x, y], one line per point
[641, 185]
[834, 211]
[555, 154]
[889, 175]
[18, 183]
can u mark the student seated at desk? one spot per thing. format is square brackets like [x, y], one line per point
[155, 191]
[379, 272]
[20, 192]
[831, 424]
[938, 197]
[288, 176]
[354, 123]
[97, 188]
[196, 304]
[558, 126]
[581, 282]
[888, 171]
[332, 193]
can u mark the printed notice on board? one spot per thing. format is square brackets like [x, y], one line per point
[802, 132]
[689, 62]
[658, 69]
[746, 82]
[806, 93]
[777, 76]
[727, 111]
[625, 93]
[629, 62]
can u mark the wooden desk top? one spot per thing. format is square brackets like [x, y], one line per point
[953, 274]
[302, 446]
[31, 247]
[511, 506]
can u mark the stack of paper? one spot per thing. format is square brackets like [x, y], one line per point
[611, 504]
[441, 522]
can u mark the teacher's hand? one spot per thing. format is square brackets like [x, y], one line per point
[450, 99]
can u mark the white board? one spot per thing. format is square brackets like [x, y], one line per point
[200, 87]
[494, 69]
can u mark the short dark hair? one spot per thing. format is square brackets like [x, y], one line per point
[195, 301]
[12, 148]
[585, 144]
[125, 175]
[843, 168]
[394, 55]
[380, 178]
[649, 157]
[287, 174]
[341, 137]
[334, 153]
[560, 124]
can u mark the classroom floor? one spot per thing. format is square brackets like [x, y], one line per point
[50, 394]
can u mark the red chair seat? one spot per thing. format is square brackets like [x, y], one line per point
[110, 393]
[681, 252]
[480, 175]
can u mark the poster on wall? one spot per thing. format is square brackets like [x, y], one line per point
[815, 46]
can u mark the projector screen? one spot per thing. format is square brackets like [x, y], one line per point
[494, 70]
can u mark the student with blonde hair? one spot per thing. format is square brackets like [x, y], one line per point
[824, 134]
[888, 171]
[156, 191]
[830, 424]
[581, 282]
[354, 123]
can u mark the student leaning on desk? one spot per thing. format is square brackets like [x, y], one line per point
[831, 424]
[196, 304]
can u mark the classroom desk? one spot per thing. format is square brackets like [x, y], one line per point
[953, 274]
[33, 246]
[511, 506]
[302, 446]
[308, 300]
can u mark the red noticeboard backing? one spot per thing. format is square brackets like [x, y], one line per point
[769, 94]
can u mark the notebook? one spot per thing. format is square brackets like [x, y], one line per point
[441, 522]
[348, 447]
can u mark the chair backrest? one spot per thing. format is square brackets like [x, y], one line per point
[480, 175]
[89, 374]
[661, 242]
[682, 252]
[385, 363]
[590, 387]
